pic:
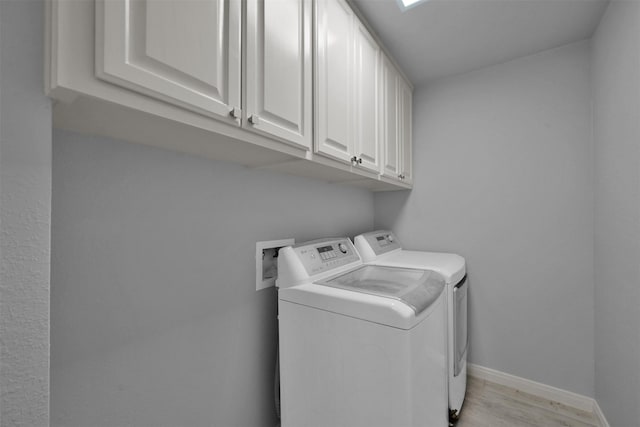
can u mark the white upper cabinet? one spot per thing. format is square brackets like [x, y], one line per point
[395, 123]
[389, 119]
[186, 53]
[346, 86]
[334, 79]
[299, 86]
[367, 54]
[405, 137]
[279, 69]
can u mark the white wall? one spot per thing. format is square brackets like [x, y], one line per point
[25, 206]
[616, 95]
[155, 317]
[503, 176]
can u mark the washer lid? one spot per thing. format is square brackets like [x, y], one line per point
[416, 288]
[451, 266]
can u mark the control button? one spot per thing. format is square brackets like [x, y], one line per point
[343, 248]
[390, 238]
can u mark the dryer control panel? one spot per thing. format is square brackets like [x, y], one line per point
[320, 256]
[380, 241]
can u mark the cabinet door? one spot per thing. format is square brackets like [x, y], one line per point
[389, 120]
[334, 73]
[185, 52]
[406, 111]
[278, 75]
[366, 138]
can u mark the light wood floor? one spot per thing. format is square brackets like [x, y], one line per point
[492, 405]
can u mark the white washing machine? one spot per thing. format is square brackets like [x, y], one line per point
[382, 248]
[360, 345]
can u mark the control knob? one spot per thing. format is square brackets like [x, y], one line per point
[343, 248]
[390, 238]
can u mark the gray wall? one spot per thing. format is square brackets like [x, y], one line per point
[503, 171]
[25, 206]
[616, 95]
[155, 317]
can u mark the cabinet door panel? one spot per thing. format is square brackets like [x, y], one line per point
[334, 23]
[366, 88]
[185, 52]
[406, 111]
[279, 73]
[389, 117]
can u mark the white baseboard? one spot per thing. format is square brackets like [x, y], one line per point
[597, 412]
[548, 392]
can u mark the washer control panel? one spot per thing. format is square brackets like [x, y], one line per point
[320, 256]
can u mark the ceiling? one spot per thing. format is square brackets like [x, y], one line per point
[444, 37]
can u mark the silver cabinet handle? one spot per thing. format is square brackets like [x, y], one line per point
[254, 119]
[235, 112]
[354, 160]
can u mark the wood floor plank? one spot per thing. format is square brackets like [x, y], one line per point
[493, 405]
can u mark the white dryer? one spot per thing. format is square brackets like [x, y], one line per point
[360, 345]
[382, 248]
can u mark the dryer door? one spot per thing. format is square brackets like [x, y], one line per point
[460, 338]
